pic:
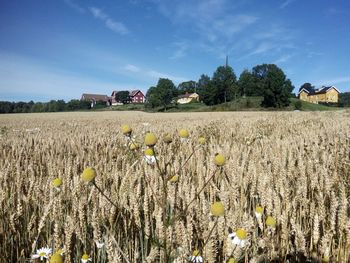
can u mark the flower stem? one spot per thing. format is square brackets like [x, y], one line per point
[99, 189]
[197, 194]
[211, 231]
[188, 158]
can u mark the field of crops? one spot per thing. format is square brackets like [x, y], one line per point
[85, 189]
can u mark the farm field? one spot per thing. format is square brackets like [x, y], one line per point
[277, 192]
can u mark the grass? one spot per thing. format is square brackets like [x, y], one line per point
[240, 104]
[125, 107]
[307, 106]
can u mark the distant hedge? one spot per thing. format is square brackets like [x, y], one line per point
[51, 106]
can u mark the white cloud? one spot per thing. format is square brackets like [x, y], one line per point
[110, 23]
[116, 26]
[180, 50]
[262, 48]
[312, 54]
[75, 6]
[286, 3]
[132, 68]
[212, 19]
[231, 25]
[333, 81]
[148, 75]
[282, 59]
[98, 13]
[156, 75]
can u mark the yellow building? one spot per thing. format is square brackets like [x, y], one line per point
[187, 98]
[324, 94]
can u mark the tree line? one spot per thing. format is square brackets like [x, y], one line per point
[51, 106]
[266, 80]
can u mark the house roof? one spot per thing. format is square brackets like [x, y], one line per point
[187, 95]
[96, 97]
[325, 89]
[322, 90]
[132, 93]
[308, 90]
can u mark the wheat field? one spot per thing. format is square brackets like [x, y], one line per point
[280, 194]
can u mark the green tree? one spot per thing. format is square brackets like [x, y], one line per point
[60, 105]
[344, 99]
[52, 106]
[224, 84]
[6, 107]
[162, 94]
[205, 90]
[248, 84]
[187, 86]
[298, 105]
[152, 98]
[38, 107]
[73, 105]
[276, 87]
[122, 96]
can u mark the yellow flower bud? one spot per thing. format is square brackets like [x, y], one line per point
[56, 258]
[217, 209]
[241, 233]
[219, 160]
[88, 174]
[85, 257]
[126, 130]
[202, 140]
[183, 133]
[168, 138]
[57, 182]
[134, 146]
[259, 209]
[270, 221]
[174, 179]
[150, 139]
[149, 152]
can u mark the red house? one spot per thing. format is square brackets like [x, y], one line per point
[136, 96]
[94, 98]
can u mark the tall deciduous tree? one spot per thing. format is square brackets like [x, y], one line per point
[122, 96]
[187, 86]
[248, 84]
[162, 94]
[276, 87]
[224, 84]
[205, 90]
[344, 99]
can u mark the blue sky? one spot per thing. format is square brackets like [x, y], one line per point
[60, 49]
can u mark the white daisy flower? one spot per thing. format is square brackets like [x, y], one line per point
[239, 238]
[259, 210]
[150, 159]
[184, 140]
[85, 258]
[196, 257]
[258, 215]
[42, 253]
[99, 244]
